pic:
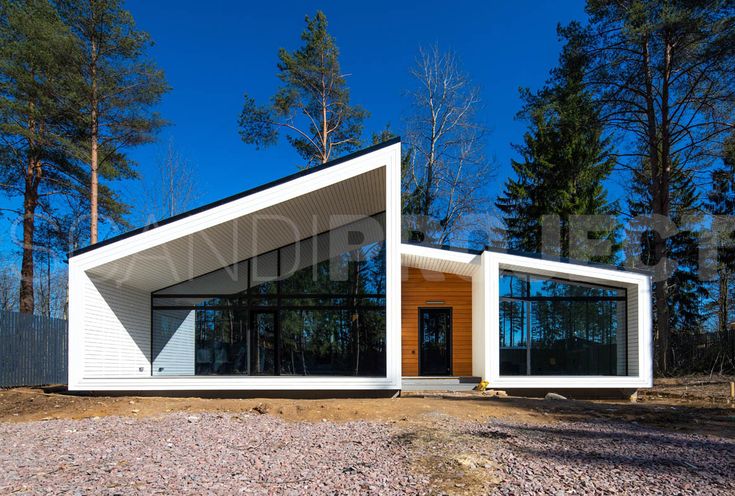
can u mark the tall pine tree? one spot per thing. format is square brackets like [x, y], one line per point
[662, 72]
[36, 119]
[313, 105]
[686, 293]
[721, 202]
[118, 90]
[565, 159]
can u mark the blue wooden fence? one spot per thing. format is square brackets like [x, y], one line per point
[33, 350]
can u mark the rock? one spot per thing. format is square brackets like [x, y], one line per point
[192, 419]
[262, 408]
[554, 396]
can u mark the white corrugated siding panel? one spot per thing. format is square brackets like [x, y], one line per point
[621, 349]
[173, 342]
[633, 330]
[117, 340]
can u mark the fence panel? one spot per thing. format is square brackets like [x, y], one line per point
[705, 352]
[33, 350]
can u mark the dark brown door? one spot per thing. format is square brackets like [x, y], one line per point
[435, 332]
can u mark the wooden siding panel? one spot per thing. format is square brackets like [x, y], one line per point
[420, 286]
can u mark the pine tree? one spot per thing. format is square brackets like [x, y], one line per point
[118, 89]
[313, 104]
[721, 202]
[565, 158]
[662, 72]
[36, 118]
[686, 293]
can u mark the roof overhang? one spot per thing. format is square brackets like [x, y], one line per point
[439, 260]
[246, 225]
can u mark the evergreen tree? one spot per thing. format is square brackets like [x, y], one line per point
[118, 88]
[721, 202]
[686, 293]
[36, 118]
[565, 158]
[662, 72]
[313, 104]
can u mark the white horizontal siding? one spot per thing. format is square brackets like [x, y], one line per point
[173, 342]
[633, 334]
[116, 331]
[621, 338]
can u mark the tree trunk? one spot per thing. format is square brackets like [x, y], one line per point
[325, 157]
[94, 179]
[723, 301]
[30, 202]
[662, 207]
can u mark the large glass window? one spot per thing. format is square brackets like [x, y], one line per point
[558, 327]
[315, 307]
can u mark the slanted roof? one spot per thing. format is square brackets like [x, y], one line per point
[247, 224]
[236, 196]
[439, 260]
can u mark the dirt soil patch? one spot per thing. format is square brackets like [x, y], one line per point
[27, 404]
[695, 390]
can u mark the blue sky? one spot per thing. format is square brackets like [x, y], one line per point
[212, 55]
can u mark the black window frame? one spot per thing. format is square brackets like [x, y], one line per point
[526, 299]
[250, 301]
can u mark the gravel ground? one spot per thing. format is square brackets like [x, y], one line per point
[261, 454]
[202, 454]
[603, 457]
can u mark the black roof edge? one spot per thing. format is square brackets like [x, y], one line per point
[538, 256]
[237, 196]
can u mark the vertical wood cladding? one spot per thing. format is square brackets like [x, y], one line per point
[420, 286]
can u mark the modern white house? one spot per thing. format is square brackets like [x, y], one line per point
[304, 284]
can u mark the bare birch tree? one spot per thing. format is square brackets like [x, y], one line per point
[446, 174]
[172, 188]
[8, 288]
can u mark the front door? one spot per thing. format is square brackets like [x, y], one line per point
[435, 331]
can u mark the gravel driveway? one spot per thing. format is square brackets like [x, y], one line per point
[207, 453]
[262, 454]
[603, 457]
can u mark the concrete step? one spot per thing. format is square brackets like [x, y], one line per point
[439, 383]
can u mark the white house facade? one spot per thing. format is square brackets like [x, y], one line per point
[304, 284]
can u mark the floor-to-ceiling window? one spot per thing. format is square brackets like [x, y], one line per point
[315, 307]
[558, 327]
